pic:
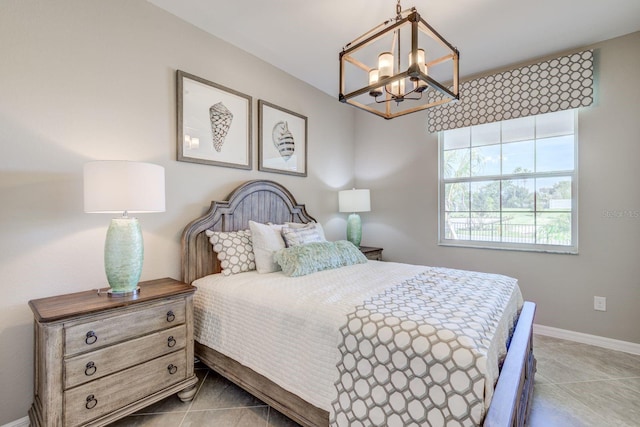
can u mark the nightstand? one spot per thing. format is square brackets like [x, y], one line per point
[99, 358]
[372, 253]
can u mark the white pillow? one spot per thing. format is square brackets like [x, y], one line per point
[297, 236]
[266, 241]
[234, 250]
[315, 225]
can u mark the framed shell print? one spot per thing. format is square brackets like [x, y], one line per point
[282, 140]
[214, 123]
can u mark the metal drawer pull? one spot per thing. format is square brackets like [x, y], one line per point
[91, 402]
[90, 369]
[170, 316]
[171, 341]
[91, 338]
[172, 369]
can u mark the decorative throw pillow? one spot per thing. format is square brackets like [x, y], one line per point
[318, 256]
[317, 226]
[300, 235]
[234, 249]
[266, 239]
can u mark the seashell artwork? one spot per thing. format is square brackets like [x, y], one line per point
[283, 140]
[221, 119]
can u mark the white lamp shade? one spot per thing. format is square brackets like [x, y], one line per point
[112, 186]
[354, 201]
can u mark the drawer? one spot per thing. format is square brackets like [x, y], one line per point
[113, 328]
[97, 364]
[374, 256]
[96, 398]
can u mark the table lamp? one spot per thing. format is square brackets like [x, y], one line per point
[354, 201]
[115, 186]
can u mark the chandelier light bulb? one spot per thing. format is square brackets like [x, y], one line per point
[421, 64]
[373, 79]
[385, 65]
[397, 88]
[419, 85]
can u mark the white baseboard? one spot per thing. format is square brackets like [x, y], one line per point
[22, 422]
[626, 346]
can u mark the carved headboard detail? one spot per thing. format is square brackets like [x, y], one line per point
[261, 201]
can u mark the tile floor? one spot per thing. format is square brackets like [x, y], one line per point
[576, 385]
[582, 385]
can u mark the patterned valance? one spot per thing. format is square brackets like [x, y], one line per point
[557, 84]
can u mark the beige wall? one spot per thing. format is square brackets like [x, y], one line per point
[89, 79]
[84, 80]
[398, 161]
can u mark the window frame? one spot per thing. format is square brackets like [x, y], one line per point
[500, 245]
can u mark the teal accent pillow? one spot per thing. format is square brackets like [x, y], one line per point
[312, 257]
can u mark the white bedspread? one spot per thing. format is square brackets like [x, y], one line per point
[287, 328]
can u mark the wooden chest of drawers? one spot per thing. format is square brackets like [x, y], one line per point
[98, 358]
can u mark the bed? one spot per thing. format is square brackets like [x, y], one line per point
[268, 202]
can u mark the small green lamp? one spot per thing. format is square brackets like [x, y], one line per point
[354, 201]
[115, 186]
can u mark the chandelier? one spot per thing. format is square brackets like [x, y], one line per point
[376, 77]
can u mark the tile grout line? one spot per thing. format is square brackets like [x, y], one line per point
[590, 381]
[580, 403]
[572, 395]
[268, 414]
[194, 398]
[231, 408]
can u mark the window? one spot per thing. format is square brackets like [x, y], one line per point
[511, 184]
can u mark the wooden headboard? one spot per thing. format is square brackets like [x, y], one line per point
[260, 201]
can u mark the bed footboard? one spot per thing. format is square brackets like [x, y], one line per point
[512, 398]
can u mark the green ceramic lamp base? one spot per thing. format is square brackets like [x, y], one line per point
[123, 255]
[354, 229]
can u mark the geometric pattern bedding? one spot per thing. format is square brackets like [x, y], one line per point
[288, 328]
[417, 353]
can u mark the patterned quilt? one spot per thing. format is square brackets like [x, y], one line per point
[294, 330]
[416, 354]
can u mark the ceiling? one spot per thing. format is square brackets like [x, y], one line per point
[304, 37]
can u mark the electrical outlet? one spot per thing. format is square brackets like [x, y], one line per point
[600, 303]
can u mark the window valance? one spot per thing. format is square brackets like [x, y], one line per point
[557, 84]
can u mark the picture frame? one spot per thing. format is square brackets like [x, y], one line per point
[214, 123]
[282, 140]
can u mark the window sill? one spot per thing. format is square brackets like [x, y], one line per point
[560, 250]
